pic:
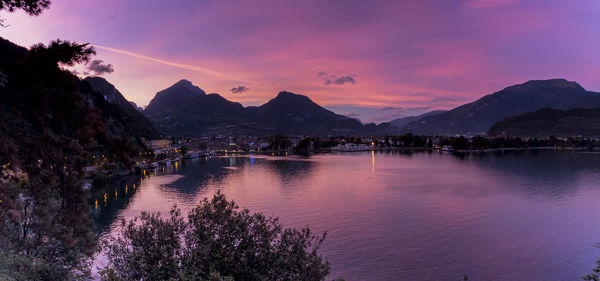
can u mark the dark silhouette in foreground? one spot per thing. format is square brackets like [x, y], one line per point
[219, 241]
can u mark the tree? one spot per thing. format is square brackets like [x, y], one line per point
[595, 275]
[32, 7]
[183, 150]
[279, 142]
[46, 131]
[219, 241]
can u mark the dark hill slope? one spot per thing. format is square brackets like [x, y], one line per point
[44, 114]
[551, 122]
[479, 116]
[401, 123]
[290, 113]
[184, 109]
[118, 113]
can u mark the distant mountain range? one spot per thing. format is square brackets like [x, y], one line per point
[479, 116]
[535, 108]
[403, 122]
[185, 109]
[550, 122]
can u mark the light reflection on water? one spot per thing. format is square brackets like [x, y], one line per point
[404, 216]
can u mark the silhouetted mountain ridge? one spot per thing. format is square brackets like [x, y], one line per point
[478, 116]
[178, 111]
[118, 113]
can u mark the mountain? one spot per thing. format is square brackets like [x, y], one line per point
[185, 109]
[477, 117]
[403, 121]
[136, 106]
[172, 97]
[47, 112]
[289, 113]
[547, 122]
[117, 112]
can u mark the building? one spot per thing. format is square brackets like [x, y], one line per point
[158, 146]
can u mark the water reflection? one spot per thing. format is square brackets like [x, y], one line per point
[112, 197]
[403, 215]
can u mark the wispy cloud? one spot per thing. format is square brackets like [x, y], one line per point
[173, 64]
[477, 4]
[386, 108]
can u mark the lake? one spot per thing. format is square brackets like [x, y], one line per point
[402, 215]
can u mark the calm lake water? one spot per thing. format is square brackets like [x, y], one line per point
[403, 216]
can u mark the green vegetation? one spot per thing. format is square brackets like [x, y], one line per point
[219, 241]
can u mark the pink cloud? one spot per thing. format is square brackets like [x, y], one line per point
[487, 3]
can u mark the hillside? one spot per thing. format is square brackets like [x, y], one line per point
[185, 109]
[119, 114]
[477, 117]
[400, 123]
[289, 113]
[550, 122]
[44, 108]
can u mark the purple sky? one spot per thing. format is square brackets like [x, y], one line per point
[375, 60]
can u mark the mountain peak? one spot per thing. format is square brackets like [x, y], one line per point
[106, 89]
[178, 93]
[183, 87]
[560, 83]
[183, 82]
[286, 93]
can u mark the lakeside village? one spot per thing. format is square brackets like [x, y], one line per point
[163, 151]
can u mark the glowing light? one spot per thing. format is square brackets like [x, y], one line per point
[105, 198]
[96, 204]
[373, 161]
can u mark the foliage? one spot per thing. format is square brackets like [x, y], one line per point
[47, 129]
[183, 150]
[219, 241]
[279, 142]
[595, 275]
[32, 7]
[63, 52]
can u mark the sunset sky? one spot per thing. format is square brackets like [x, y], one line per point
[374, 60]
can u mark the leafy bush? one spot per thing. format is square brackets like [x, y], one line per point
[219, 241]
